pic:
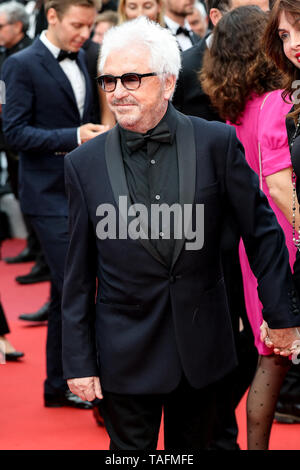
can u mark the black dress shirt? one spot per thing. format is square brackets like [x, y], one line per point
[153, 179]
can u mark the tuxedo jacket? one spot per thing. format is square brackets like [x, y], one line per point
[4, 54]
[189, 98]
[193, 37]
[40, 121]
[92, 51]
[150, 323]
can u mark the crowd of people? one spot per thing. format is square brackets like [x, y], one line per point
[96, 104]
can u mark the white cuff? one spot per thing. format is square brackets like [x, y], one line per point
[78, 136]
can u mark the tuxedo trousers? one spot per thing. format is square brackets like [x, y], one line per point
[53, 236]
[133, 421]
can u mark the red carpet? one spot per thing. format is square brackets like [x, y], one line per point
[25, 423]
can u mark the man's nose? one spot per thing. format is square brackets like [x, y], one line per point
[120, 90]
[85, 33]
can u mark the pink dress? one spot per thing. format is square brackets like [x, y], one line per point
[263, 135]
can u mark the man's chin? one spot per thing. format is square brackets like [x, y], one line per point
[127, 118]
[127, 123]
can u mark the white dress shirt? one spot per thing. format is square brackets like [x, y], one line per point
[73, 73]
[183, 41]
[209, 40]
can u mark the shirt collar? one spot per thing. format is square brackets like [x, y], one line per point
[209, 40]
[52, 48]
[173, 26]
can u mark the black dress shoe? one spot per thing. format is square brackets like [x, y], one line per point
[38, 273]
[66, 399]
[24, 257]
[288, 413]
[40, 315]
[13, 356]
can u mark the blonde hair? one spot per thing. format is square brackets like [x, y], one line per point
[108, 16]
[61, 6]
[123, 18]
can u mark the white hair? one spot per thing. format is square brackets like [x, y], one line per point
[162, 45]
[15, 12]
[201, 8]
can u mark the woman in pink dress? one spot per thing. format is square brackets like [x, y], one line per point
[244, 86]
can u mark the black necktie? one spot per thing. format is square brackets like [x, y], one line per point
[67, 55]
[160, 134]
[184, 31]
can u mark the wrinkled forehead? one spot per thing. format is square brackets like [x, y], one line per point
[128, 59]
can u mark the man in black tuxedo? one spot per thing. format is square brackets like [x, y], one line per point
[47, 114]
[176, 12]
[157, 331]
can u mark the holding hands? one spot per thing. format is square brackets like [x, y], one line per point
[284, 341]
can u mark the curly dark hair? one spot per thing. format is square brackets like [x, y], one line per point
[235, 66]
[273, 48]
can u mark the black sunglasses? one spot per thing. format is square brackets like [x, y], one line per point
[130, 81]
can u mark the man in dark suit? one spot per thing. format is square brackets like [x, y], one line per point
[176, 12]
[14, 22]
[47, 114]
[159, 333]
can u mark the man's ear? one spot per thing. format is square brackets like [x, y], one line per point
[215, 15]
[18, 26]
[52, 17]
[169, 86]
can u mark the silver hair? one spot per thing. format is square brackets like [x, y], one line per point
[163, 47]
[201, 8]
[15, 12]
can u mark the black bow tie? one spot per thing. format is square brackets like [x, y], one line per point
[67, 55]
[160, 134]
[182, 30]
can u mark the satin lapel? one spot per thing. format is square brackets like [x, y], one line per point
[116, 173]
[88, 85]
[53, 68]
[194, 38]
[186, 152]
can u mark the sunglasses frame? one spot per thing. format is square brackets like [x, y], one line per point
[100, 80]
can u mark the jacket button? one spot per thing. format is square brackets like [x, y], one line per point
[172, 279]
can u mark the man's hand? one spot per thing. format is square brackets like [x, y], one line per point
[86, 388]
[284, 341]
[89, 131]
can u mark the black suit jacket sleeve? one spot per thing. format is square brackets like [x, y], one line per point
[263, 238]
[18, 114]
[78, 304]
[189, 98]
